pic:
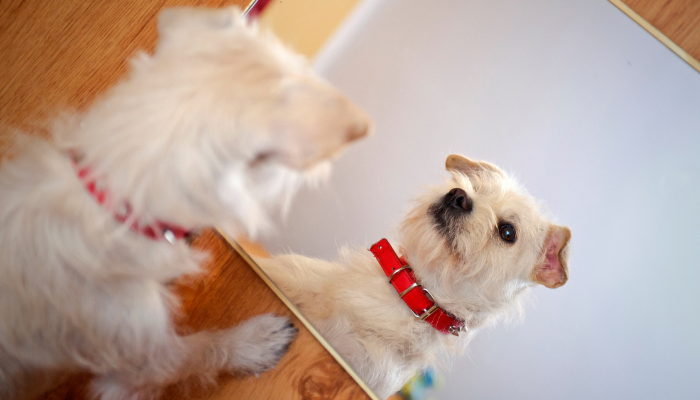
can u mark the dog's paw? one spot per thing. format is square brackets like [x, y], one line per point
[260, 342]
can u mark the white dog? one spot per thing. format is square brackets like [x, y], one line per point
[474, 245]
[216, 128]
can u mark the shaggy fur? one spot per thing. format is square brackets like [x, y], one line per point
[456, 252]
[215, 128]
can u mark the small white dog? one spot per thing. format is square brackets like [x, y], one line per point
[474, 245]
[215, 128]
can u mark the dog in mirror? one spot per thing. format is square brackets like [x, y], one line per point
[470, 248]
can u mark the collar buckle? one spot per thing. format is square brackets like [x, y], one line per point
[405, 267]
[427, 311]
[422, 301]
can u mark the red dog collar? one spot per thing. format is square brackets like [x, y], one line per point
[416, 297]
[157, 230]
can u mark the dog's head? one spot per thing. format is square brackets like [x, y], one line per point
[245, 81]
[478, 240]
[218, 111]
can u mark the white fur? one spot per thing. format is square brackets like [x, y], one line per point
[216, 128]
[475, 275]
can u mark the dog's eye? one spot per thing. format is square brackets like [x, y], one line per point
[507, 232]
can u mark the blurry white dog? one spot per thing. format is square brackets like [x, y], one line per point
[215, 128]
[474, 245]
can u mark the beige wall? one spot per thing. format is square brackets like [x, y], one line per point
[306, 24]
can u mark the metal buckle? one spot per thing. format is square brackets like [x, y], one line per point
[428, 311]
[405, 267]
[408, 289]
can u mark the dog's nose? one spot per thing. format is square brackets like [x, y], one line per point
[357, 131]
[458, 199]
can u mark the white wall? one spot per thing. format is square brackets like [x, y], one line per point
[596, 117]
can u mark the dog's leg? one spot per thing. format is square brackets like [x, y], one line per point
[252, 347]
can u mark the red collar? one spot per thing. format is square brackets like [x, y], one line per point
[157, 230]
[414, 295]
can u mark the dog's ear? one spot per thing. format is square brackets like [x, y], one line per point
[552, 271]
[456, 162]
[186, 19]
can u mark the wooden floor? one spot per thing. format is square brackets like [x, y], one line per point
[679, 20]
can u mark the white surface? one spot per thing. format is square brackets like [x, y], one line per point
[597, 118]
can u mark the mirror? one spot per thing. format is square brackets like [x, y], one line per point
[594, 117]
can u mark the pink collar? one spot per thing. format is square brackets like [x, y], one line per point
[416, 297]
[156, 231]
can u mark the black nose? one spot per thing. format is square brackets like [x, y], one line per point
[458, 199]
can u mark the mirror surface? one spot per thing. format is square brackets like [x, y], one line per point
[595, 117]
